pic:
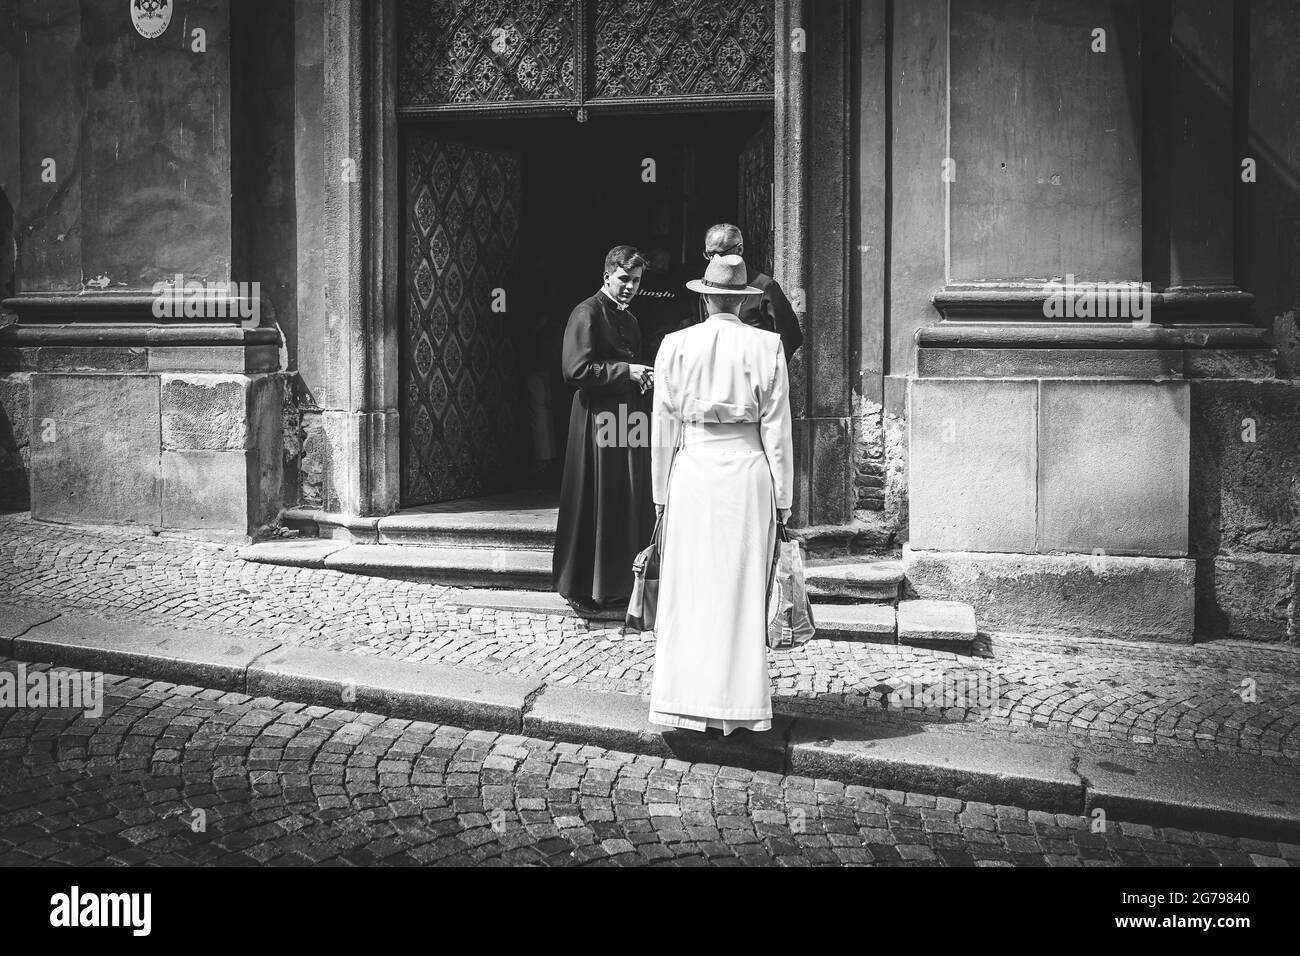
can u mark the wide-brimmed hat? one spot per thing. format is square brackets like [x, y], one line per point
[725, 275]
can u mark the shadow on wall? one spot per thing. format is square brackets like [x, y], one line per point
[15, 402]
[8, 253]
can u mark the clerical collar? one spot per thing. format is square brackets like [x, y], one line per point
[617, 304]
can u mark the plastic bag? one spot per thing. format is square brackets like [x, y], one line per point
[789, 612]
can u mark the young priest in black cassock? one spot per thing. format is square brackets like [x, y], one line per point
[606, 504]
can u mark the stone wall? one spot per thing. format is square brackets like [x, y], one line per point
[123, 145]
[15, 439]
[874, 525]
[1245, 508]
[171, 427]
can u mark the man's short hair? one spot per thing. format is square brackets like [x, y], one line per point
[624, 257]
[729, 304]
[722, 238]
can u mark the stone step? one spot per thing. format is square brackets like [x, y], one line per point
[946, 624]
[865, 580]
[478, 567]
[529, 569]
[466, 567]
[529, 530]
[521, 520]
[874, 623]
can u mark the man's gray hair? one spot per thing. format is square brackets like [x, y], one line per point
[722, 238]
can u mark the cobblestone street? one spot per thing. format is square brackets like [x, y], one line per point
[1230, 698]
[279, 783]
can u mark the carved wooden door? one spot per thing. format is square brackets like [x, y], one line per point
[756, 176]
[462, 406]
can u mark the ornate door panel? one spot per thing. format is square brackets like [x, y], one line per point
[755, 204]
[462, 400]
[481, 57]
[672, 48]
[476, 52]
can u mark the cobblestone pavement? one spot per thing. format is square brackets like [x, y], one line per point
[177, 775]
[1225, 698]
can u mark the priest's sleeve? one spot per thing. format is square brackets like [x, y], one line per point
[583, 366]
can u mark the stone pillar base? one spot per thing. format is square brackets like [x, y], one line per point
[172, 428]
[1129, 598]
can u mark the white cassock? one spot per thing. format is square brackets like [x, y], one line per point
[722, 390]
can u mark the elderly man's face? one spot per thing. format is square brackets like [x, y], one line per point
[622, 284]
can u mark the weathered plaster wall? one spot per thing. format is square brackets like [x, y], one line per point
[9, 160]
[138, 132]
[1270, 225]
[1045, 141]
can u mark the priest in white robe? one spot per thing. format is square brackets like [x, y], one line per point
[723, 474]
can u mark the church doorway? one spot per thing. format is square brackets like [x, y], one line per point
[505, 224]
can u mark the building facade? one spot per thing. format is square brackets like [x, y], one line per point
[1046, 254]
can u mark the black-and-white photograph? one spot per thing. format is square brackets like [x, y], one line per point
[651, 433]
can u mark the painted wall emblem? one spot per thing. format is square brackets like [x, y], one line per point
[151, 17]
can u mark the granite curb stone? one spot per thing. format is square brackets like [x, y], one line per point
[935, 759]
[142, 650]
[16, 621]
[939, 759]
[621, 722]
[1222, 796]
[433, 692]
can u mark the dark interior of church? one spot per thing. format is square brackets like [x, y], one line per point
[654, 181]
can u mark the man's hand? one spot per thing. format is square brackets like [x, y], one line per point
[783, 514]
[643, 375]
[659, 511]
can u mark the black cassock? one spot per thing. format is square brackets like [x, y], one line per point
[606, 503]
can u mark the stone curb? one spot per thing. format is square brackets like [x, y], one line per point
[432, 692]
[940, 759]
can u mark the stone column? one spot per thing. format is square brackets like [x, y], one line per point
[1190, 172]
[813, 234]
[348, 315]
[789, 200]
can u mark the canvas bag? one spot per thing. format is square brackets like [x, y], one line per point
[789, 612]
[643, 606]
[644, 603]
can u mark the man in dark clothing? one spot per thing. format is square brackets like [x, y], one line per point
[771, 311]
[606, 506]
[663, 304]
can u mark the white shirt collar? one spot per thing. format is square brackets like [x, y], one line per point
[617, 304]
[725, 316]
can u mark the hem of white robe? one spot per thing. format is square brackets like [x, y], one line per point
[685, 722]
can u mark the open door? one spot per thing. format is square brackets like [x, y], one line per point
[755, 201]
[462, 407]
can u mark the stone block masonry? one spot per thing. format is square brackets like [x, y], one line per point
[188, 451]
[1245, 508]
[15, 439]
